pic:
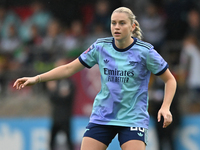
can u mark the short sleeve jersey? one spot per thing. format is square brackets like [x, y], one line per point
[125, 73]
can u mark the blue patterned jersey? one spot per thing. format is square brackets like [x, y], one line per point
[125, 73]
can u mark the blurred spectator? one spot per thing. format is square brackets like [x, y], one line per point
[53, 41]
[3, 66]
[7, 17]
[40, 16]
[12, 41]
[97, 32]
[176, 25]
[190, 68]
[33, 46]
[12, 55]
[69, 41]
[193, 20]
[165, 136]
[35, 36]
[136, 6]
[11, 47]
[61, 95]
[102, 14]
[153, 26]
[74, 38]
[77, 28]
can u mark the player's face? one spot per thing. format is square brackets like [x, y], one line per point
[121, 27]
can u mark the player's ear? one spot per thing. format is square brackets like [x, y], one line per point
[133, 27]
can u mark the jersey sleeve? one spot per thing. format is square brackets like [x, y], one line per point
[155, 63]
[89, 57]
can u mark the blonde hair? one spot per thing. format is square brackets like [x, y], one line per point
[137, 32]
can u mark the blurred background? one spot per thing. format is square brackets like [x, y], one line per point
[37, 35]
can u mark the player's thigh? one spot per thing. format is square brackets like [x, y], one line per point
[92, 144]
[133, 145]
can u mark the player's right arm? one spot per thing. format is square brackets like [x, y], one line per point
[63, 71]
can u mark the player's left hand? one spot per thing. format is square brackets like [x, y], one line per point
[167, 116]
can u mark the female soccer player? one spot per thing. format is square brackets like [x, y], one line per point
[125, 64]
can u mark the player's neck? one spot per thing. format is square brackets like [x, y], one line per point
[122, 44]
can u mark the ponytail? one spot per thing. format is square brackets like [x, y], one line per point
[137, 32]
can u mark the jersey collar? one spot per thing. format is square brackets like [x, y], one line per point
[125, 49]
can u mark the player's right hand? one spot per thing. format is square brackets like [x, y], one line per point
[25, 81]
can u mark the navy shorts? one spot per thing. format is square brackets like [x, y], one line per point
[105, 133]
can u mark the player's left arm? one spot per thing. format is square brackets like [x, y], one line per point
[170, 89]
